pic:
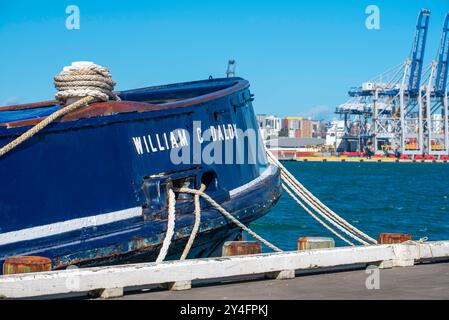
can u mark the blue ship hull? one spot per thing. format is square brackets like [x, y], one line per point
[91, 189]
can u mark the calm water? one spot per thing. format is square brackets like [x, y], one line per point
[375, 197]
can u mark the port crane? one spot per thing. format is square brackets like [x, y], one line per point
[410, 95]
[393, 101]
[435, 99]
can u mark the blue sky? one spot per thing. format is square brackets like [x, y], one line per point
[299, 56]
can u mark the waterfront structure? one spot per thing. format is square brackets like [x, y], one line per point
[291, 148]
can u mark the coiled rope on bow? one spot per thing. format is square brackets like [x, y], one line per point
[85, 79]
[293, 186]
[84, 83]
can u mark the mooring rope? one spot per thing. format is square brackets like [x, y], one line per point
[319, 211]
[228, 215]
[317, 205]
[196, 225]
[84, 81]
[327, 217]
[41, 125]
[314, 216]
[170, 226]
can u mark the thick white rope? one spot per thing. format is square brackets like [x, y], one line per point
[170, 226]
[316, 204]
[320, 212]
[228, 215]
[41, 125]
[317, 201]
[196, 225]
[314, 216]
[82, 79]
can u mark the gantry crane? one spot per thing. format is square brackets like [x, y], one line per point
[435, 99]
[394, 101]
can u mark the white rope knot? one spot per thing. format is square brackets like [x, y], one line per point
[85, 79]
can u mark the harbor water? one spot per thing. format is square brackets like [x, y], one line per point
[375, 197]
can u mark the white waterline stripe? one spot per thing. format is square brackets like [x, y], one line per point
[268, 171]
[76, 224]
[27, 253]
[67, 226]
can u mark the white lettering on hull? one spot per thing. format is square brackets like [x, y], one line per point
[178, 138]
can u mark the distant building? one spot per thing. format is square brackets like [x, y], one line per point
[300, 144]
[269, 125]
[298, 127]
[290, 125]
[291, 148]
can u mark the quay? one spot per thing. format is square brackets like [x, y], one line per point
[408, 261]
[426, 281]
[360, 159]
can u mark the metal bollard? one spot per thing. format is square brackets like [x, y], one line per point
[26, 264]
[391, 238]
[308, 243]
[238, 248]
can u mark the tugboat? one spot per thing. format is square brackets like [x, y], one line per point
[91, 189]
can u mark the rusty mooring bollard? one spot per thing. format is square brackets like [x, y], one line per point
[390, 238]
[307, 243]
[238, 248]
[26, 264]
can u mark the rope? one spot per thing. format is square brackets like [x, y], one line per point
[196, 225]
[315, 217]
[316, 202]
[228, 215]
[323, 214]
[317, 205]
[84, 80]
[170, 226]
[41, 125]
